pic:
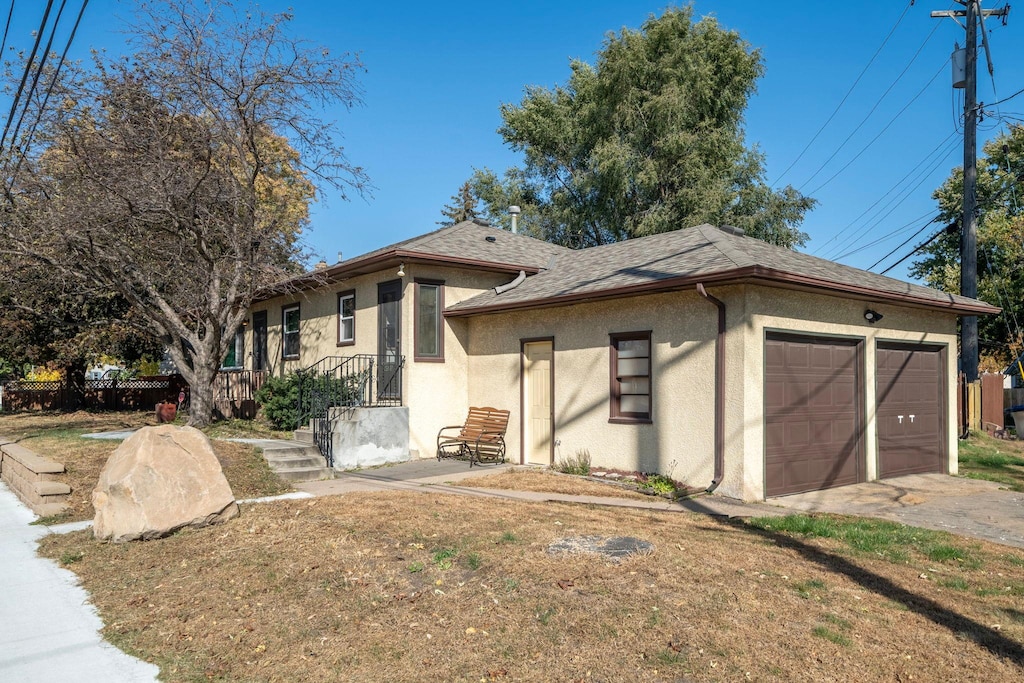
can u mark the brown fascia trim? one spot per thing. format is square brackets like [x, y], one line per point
[746, 275]
[339, 273]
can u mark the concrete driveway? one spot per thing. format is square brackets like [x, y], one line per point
[968, 507]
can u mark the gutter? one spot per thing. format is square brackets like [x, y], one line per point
[719, 390]
[752, 275]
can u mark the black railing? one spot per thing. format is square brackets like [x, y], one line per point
[336, 384]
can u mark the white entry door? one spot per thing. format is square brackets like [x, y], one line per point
[537, 402]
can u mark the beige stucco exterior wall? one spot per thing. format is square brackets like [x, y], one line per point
[771, 309]
[678, 442]
[435, 392]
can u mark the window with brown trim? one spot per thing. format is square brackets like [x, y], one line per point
[290, 332]
[347, 318]
[429, 324]
[630, 354]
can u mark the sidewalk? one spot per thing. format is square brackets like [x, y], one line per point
[48, 631]
[429, 476]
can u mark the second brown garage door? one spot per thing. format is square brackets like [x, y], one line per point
[911, 418]
[812, 421]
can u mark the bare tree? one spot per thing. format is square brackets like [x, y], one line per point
[179, 178]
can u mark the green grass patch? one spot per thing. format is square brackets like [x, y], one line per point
[830, 635]
[982, 457]
[955, 583]
[70, 557]
[838, 621]
[443, 557]
[473, 561]
[881, 538]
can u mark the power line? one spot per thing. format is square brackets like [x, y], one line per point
[3, 43]
[1005, 99]
[24, 76]
[915, 250]
[848, 93]
[904, 243]
[949, 143]
[874, 139]
[884, 237]
[38, 73]
[872, 111]
[49, 90]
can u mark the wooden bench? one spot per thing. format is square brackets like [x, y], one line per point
[482, 437]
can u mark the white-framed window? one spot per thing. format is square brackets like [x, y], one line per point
[346, 318]
[290, 332]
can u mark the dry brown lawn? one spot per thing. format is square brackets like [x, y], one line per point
[59, 437]
[405, 586]
[550, 482]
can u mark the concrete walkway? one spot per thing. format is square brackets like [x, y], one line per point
[48, 629]
[431, 476]
[968, 507]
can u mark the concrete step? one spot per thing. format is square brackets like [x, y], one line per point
[305, 473]
[296, 460]
[286, 462]
[304, 435]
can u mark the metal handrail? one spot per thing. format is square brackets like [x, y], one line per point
[336, 384]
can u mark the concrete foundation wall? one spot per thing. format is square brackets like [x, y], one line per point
[367, 437]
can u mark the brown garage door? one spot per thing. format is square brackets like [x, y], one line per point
[911, 395]
[812, 424]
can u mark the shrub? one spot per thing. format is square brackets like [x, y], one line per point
[279, 397]
[577, 464]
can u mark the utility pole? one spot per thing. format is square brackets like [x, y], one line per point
[969, 223]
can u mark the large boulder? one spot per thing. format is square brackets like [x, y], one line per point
[160, 480]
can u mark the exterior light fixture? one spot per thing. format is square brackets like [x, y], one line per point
[872, 316]
[401, 270]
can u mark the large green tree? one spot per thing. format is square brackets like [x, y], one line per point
[178, 179]
[647, 140]
[1000, 245]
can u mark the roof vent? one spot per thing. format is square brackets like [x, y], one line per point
[482, 221]
[732, 230]
[491, 238]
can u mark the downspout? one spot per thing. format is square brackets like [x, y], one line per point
[511, 285]
[719, 390]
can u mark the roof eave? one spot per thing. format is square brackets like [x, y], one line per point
[362, 266]
[745, 275]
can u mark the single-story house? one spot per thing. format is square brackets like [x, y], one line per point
[701, 354]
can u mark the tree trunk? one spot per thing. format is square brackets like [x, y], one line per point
[201, 400]
[74, 375]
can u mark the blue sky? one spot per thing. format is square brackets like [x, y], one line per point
[436, 74]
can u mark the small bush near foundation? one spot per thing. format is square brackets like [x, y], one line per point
[279, 398]
[658, 483]
[577, 464]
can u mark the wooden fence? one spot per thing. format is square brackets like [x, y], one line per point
[983, 404]
[234, 394]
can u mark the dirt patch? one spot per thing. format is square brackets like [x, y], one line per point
[405, 586]
[550, 482]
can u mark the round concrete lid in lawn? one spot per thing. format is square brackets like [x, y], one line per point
[615, 548]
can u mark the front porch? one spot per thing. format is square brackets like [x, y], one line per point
[351, 408]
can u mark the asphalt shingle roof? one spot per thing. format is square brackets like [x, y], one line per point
[469, 241]
[675, 258]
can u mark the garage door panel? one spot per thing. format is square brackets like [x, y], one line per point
[818, 445]
[910, 410]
